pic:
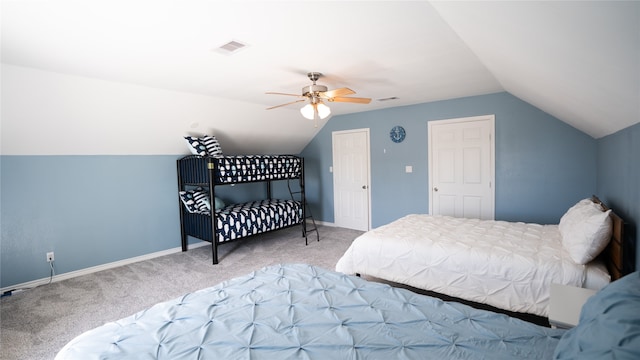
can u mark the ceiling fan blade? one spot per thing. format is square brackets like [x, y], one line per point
[289, 103]
[351, 100]
[336, 92]
[279, 93]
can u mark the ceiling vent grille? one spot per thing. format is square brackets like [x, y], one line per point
[232, 47]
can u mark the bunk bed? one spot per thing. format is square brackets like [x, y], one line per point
[505, 265]
[198, 177]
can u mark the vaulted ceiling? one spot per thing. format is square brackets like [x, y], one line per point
[578, 61]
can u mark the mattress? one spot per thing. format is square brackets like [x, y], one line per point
[240, 220]
[508, 265]
[239, 168]
[299, 311]
[244, 219]
[243, 168]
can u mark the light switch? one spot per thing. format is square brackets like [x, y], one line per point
[408, 169]
[330, 169]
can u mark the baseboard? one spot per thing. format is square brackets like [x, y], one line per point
[111, 265]
[68, 275]
[324, 223]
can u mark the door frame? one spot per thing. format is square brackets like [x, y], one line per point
[368, 160]
[492, 150]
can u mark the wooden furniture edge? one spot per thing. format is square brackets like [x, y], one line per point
[613, 253]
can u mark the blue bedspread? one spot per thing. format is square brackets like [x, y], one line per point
[305, 312]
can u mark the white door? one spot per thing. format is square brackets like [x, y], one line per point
[351, 179]
[461, 167]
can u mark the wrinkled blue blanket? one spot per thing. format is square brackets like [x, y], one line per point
[305, 312]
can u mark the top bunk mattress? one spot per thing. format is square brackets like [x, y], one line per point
[194, 169]
[509, 265]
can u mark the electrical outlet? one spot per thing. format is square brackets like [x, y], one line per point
[50, 256]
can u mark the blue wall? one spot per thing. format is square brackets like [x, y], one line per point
[89, 210]
[543, 166]
[92, 210]
[619, 181]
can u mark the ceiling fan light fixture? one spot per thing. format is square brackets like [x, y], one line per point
[323, 110]
[308, 111]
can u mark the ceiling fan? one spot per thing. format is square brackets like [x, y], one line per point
[317, 94]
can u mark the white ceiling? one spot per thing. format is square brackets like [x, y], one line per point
[579, 61]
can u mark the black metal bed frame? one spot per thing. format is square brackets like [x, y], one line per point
[202, 171]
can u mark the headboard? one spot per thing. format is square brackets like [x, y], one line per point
[613, 254]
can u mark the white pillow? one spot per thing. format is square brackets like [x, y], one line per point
[586, 231]
[573, 214]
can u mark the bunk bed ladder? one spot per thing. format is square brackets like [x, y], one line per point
[306, 213]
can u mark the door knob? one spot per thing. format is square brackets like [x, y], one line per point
[364, 187]
[435, 189]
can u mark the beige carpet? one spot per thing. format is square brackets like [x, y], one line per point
[37, 323]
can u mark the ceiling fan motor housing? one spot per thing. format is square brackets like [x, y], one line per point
[313, 90]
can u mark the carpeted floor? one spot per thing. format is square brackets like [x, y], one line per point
[37, 323]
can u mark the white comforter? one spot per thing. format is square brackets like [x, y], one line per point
[504, 264]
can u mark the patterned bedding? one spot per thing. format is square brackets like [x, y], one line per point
[240, 220]
[245, 219]
[239, 168]
[304, 312]
[504, 264]
[242, 168]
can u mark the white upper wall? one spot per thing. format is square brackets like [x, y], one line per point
[578, 61]
[46, 113]
[138, 74]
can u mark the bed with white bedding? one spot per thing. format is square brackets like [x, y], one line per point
[507, 265]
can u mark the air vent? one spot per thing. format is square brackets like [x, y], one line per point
[231, 47]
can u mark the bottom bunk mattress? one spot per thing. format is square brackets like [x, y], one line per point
[300, 311]
[508, 265]
[246, 219]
